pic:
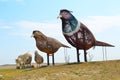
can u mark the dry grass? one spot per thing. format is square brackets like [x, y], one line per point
[109, 70]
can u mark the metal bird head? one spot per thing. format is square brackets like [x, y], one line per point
[38, 35]
[65, 14]
[36, 52]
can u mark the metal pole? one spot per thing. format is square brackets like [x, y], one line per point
[103, 52]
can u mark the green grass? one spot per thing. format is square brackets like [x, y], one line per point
[109, 70]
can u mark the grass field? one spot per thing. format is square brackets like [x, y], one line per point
[106, 70]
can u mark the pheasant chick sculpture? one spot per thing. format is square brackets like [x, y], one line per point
[38, 58]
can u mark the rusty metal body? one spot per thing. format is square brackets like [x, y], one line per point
[82, 39]
[77, 34]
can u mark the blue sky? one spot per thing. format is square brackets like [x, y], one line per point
[18, 18]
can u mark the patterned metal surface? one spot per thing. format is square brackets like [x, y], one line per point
[76, 33]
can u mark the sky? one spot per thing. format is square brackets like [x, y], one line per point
[18, 19]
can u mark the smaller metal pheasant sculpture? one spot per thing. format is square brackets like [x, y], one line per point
[47, 44]
[77, 34]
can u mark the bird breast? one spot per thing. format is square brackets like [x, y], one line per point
[46, 46]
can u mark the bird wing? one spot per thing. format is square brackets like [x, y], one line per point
[53, 41]
[56, 42]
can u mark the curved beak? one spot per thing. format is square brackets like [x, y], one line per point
[59, 16]
[32, 35]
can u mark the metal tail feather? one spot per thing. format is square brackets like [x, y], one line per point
[65, 46]
[100, 43]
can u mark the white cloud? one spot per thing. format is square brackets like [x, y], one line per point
[101, 23]
[5, 27]
[27, 24]
[37, 25]
[95, 23]
[26, 27]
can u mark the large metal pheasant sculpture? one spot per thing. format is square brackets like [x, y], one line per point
[77, 34]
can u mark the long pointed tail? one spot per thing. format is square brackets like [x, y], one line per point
[63, 45]
[100, 43]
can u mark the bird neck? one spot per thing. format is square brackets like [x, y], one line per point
[69, 25]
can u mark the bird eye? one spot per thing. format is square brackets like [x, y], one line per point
[65, 13]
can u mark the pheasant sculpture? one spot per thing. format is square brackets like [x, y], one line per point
[38, 58]
[77, 34]
[47, 44]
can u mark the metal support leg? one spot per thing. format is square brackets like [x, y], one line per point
[78, 60]
[85, 55]
[48, 59]
[53, 59]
